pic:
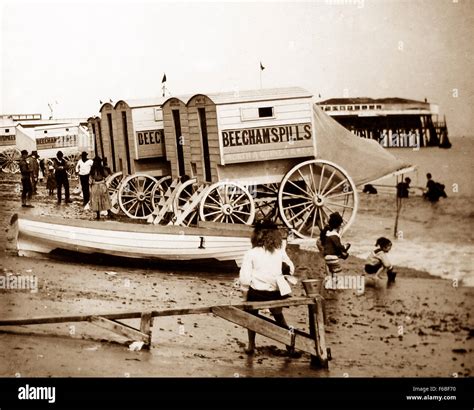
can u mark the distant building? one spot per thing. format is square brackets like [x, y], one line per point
[393, 122]
[47, 136]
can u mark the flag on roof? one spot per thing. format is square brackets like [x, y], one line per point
[164, 78]
[261, 66]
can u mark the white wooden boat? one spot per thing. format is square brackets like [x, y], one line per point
[209, 241]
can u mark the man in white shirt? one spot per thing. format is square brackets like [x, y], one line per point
[83, 168]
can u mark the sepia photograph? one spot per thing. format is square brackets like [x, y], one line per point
[237, 190]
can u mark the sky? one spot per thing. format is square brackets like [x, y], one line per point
[74, 54]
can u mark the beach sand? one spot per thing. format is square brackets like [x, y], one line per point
[421, 326]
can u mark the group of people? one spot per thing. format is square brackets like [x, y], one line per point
[263, 266]
[92, 175]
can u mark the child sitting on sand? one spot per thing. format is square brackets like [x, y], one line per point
[330, 245]
[378, 261]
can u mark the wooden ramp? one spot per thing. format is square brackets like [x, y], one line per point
[313, 343]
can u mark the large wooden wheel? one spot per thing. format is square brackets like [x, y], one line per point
[183, 197]
[265, 198]
[227, 202]
[311, 191]
[71, 161]
[159, 191]
[9, 160]
[134, 196]
[113, 184]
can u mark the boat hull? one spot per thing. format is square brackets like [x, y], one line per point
[171, 243]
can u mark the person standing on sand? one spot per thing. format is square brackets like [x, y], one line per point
[60, 168]
[378, 261]
[26, 170]
[51, 181]
[83, 168]
[261, 268]
[99, 194]
[35, 170]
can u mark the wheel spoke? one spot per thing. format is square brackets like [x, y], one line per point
[306, 218]
[321, 178]
[342, 205]
[212, 213]
[220, 196]
[308, 185]
[215, 200]
[299, 204]
[338, 195]
[321, 210]
[130, 200]
[314, 221]
[238, 199]
[301, 189]
[330, 209]
[299, 213]
[335, 187]
[327, 182]
[313, 182]
[238, 217]
[212, 206]
[149, 188]
[293, 196]
[241, 212]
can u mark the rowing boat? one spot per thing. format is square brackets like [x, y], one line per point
[207, 242]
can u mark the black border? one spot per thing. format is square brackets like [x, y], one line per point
[243, 393]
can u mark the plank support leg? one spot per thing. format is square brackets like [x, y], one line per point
[146, 327]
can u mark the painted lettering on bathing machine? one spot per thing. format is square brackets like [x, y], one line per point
[6, 140]
[272, 142]
[56, 141]
[150, 143]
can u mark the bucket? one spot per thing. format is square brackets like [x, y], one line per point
[312, 286]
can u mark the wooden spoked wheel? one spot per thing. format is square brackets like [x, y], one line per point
[9, 160]
[159, 191]
[265, 198]
[183, 197]
[311, 191]
[113, 184]
[134, 196]
[227, 202]
[71, 165]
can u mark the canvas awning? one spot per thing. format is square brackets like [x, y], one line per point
[365, 160]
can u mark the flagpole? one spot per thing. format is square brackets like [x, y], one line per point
[261, 78]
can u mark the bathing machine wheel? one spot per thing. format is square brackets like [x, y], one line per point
[266, 200]
[134, 196]
[71, 161]
[113, 184]
[227, 202]
[185, 196]
[9, 160]
[159, 191]
[311, 191]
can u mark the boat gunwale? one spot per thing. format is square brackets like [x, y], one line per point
[243, 231]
